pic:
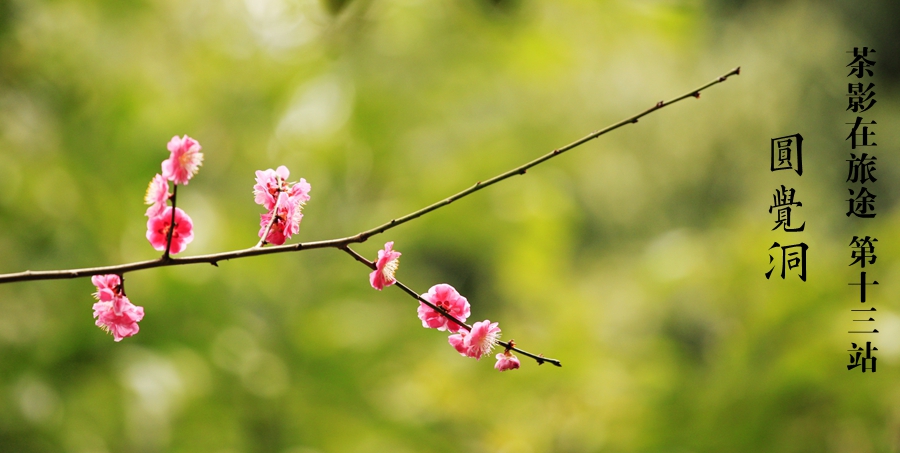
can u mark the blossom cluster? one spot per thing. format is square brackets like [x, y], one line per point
[475, 343]
[284, 202]
[183, 163]
[170, 229]
[114, 312]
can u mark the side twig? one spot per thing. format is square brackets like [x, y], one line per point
[213, 259]
[507, 345]
[262, 240]
[165, 256]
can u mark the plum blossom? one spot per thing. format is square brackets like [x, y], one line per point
[114, 312]
[107, 286]
[184, 161]
[270, 183]
[157, 195]
[478, 341]
[506, 361]
[120, 323]
[446, 297]
[385, 267]
[287, 221]
[283, 200]
[458, 341]
[158, 230]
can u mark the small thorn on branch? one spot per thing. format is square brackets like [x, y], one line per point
[634, 121]
[214, 263]
[738, 70]
[523, 171]
[660, 104]
[696, 94]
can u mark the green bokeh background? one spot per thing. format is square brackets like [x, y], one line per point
[637, 259]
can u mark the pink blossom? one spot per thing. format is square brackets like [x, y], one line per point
[269, 184]
[119, 317]
[300, 191]
[158, 230]
[458, 341]
[482, 338]
[477, 342]
[506, 361]
[184, 161]
[287, 221]
[107, 286]
[114, 312]
[385, 267]
[157, 195]
[443, 296]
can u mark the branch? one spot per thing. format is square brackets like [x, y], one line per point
[522, 169]
[357, 238]
[507, 345]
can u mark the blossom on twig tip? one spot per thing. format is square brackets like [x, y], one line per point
[270, 183]
[385, 267]
[506, 361]
[184, 161]
[446, 297]
[283, 200]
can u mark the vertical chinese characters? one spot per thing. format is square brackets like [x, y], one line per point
[787, 154]
[861, 203]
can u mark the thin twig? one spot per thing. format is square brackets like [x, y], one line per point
[507, 345]
[262, 240]
[171, 231]
[342, 242]
[520, 170]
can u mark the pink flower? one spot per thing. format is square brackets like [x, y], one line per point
[119, 317]
[184, 161]
[157, 195]
[506, 361]
[300, 191]
[444, 296]
[158, 230]
[287, 221]
[482, 338]
[458, 341]
[114, 312]
[269, 184]
[107, 286]
[477, 342]
[385, 267]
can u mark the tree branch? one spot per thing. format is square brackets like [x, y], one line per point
[341, 243]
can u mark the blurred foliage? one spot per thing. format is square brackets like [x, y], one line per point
[637, 259]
